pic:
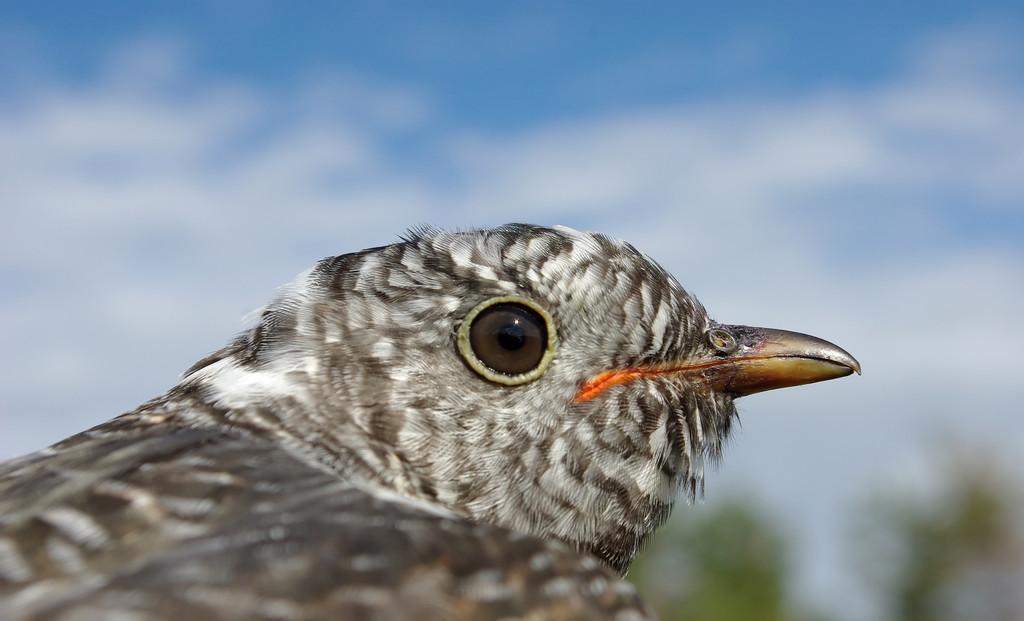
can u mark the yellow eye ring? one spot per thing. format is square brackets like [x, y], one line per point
[508, 340]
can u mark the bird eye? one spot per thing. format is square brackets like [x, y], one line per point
[507, 340]
[722, 340]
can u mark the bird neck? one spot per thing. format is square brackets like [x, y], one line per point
[552, 483]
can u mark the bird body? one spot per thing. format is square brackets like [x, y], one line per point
[484, 424]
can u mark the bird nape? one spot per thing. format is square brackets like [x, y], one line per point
[471, 425]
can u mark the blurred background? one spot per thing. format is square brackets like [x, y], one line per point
[851, 171]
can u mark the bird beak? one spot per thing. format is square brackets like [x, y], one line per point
[745, 360]
[765, 359]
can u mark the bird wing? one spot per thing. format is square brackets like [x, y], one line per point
[203, 524]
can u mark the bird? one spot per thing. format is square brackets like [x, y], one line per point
[472, 424]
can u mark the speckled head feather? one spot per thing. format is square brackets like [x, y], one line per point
[354, 374]
[359, 356]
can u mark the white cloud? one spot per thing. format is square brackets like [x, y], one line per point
[141, 221]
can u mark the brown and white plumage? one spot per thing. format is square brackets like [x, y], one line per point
[342, 460]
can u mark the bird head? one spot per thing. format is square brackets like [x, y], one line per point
[554, 382]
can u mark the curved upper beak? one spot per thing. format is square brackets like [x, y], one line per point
[766, 359]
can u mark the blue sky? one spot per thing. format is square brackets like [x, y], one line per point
[855, 174]
[509, 65]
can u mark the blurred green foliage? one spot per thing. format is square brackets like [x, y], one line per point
[955, 552]
[730, 562]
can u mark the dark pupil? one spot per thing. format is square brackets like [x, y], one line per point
[511, 336]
